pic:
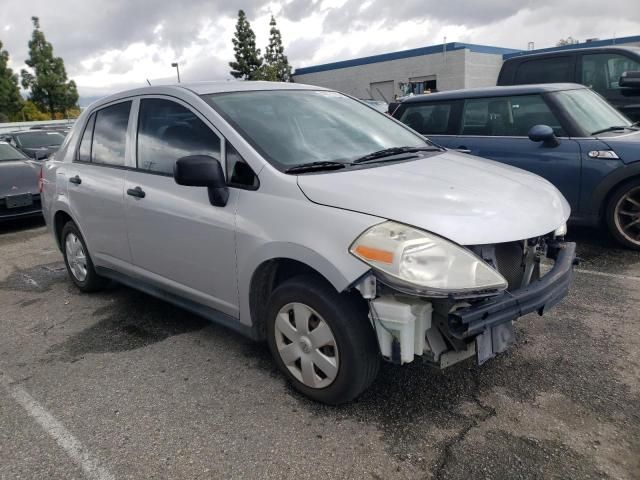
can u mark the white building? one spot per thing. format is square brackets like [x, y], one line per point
[448, 66]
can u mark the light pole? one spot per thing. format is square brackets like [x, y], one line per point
[175, 64]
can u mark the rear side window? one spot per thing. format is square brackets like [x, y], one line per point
[110, 133]
[546, 70]
[428, 119]
[507, 116]
[168, 131]
[84, 151]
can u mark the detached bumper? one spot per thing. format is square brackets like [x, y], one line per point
[538, 296]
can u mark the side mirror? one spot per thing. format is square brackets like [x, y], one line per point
[203, 171]
[629, 80]
[544, 134]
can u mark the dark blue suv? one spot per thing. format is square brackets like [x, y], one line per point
[565, 133]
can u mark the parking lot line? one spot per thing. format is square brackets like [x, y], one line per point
[70, 444]
[606, 274]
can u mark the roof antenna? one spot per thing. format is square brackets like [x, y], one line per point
[148, 82]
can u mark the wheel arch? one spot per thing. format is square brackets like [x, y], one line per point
[605, 189]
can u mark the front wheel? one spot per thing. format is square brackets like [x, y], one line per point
[322, 340]
[623, 214]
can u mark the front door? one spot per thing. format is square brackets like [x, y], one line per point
[179, 241]
[497, 128]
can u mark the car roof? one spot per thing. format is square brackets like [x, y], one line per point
[562, 52]
[204, 88]
[493, 92]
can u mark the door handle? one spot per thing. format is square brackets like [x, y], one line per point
[463, 149]
[77, 180]
[136, 192]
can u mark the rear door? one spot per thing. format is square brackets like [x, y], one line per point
[95, 185]
[179, 241]
[497, 128]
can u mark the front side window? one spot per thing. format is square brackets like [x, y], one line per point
[168, 131]
[298, 127]
[428, 119]
[590, 111]
[7, 153]
[602, 71]
[507, 116]
[110, 134]
[545, 70]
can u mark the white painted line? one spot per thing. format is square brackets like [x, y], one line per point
[610, 275]
[70, 444]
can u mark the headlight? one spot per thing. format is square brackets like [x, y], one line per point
[561, 231]
[423, 262]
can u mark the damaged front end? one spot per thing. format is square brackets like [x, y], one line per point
[446, 329]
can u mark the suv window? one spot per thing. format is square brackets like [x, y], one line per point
[168, 131]
[428, 119]
[545, 70]
[84, 151]
[507, 116]
[110, 134]
[601, 71]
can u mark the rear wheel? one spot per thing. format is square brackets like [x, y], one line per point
[623, 214]
[78, 261]
[322, 340]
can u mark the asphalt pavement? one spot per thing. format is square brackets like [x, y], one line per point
[120, 385]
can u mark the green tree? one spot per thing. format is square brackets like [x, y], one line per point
[10, 98]
[248, 64]
[50, 89]
[277, 68]
[30, 112]
[567, 41]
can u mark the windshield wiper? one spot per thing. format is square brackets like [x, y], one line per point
[611, 129]
[388, 152]
[315, 167]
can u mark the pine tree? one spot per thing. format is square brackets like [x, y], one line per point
[277, 68]
[248, 64]
[50, 89]
[10, 99]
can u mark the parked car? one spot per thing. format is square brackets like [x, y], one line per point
[299, 216]
[613, 72]
[565, 133]
[19, 189]
[37, 144]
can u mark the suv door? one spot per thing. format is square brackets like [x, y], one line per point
[95, 185]
[179, 241]
[602, 71]
[497, 128]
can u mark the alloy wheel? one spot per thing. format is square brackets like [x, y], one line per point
[76, 257]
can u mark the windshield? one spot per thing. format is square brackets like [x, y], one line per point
[297, 127]
[590, 111]
[7, 152]
[40, 139]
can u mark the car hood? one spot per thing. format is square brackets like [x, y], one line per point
[18, 176]
[469, 200]
[626, 146]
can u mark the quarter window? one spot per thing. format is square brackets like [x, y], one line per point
[110, 134]
[168, 131]
[507, 116]
[84, 152]
[239, 173]
[602, 71]
[547, 70]
[428, 119]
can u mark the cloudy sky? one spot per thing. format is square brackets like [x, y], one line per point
[111, 45]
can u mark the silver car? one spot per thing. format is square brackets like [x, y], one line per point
[301, 216]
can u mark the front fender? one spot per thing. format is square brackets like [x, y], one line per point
[609, 182]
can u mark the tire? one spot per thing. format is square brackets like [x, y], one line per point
[82, 273]
[343, 367]
[623, 214]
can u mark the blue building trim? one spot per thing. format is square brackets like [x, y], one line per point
[596, 43]
[415, 52]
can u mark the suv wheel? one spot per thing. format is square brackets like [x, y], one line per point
[322, 340]
[78, 261]
[623, 214]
